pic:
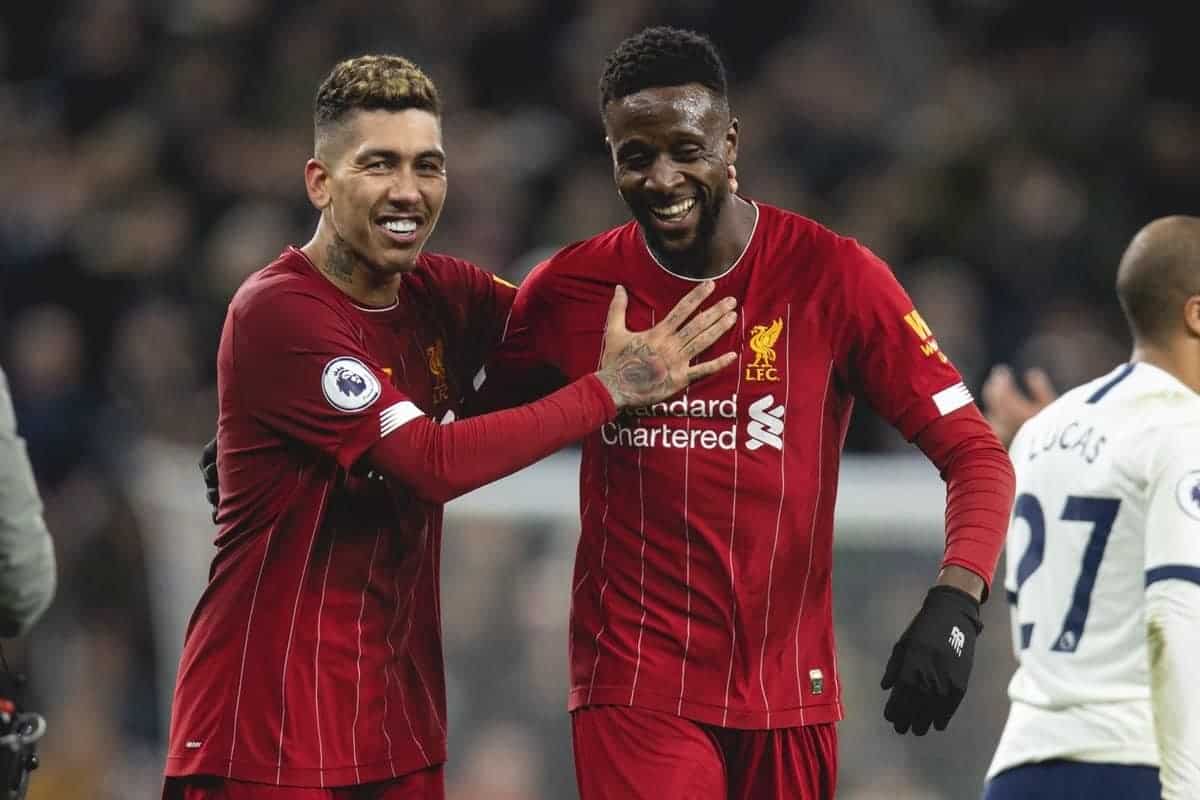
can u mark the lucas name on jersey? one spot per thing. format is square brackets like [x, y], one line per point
[639, 427]
[1076, 438]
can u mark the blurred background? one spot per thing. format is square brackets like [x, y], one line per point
[998, 154]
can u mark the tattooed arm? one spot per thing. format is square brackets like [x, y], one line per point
[439, 462]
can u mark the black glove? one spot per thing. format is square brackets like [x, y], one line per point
[931, 663]
[208, 468]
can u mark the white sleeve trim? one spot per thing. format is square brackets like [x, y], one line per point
[396, 415]
[952, 398]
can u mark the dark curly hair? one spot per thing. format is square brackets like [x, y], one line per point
[372, 82]
[661, 56]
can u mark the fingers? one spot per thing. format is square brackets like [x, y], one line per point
[1040, 387]
[733, 179]
[705, 338]
[704, 320]
[706, 368]
[209, 454]
[615, 324]
[687, 304]
[899, 709]
[1000, 390]
[892, 670]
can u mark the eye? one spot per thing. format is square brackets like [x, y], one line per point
[636, 160]
[688, 153]
[378, 165]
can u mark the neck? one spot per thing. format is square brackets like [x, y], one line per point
[335, 260]
[1177, 361]
[735, 226]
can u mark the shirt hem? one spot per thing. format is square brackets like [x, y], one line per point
[720, 716]
[305, 777]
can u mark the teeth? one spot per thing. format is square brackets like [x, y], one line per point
[675, 210]
[400, 225]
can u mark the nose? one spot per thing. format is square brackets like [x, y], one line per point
[662, 176]
[404, 188]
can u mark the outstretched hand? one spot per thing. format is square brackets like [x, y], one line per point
[648, 366]
[1008, 406]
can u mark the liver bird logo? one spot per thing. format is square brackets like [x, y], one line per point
[762, 342]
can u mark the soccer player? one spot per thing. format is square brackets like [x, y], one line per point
[701, 641]
[1103, 560]
[312, 668]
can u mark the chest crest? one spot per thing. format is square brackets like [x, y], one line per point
[762, 344]
[435, 357]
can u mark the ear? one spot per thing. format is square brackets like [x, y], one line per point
[316, 183]
[731, 141]
[1191, 315]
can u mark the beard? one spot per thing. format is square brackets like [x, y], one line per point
[691, 257]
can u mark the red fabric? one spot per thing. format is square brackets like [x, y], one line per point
[635, 754]
[702, 579]
[980, 485]
[426, 784]
[313, 657]
[440, 462]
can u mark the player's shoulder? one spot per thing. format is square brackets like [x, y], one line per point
[784, 227]
[441, 267]
[1142, 406]
[288, 287]
[585, 257]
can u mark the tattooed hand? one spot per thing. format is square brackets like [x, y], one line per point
[648, 366]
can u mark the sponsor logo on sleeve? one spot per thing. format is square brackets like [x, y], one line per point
[348, 384]
[762, 342]
[929, 345]
[1187, 493]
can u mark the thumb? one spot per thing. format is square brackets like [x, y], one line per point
[616, 311]
[892, 671]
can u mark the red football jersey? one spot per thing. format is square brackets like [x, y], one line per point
[702, 580]
[314, 655]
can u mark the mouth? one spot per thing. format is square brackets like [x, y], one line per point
[675, 212]
[402, 230]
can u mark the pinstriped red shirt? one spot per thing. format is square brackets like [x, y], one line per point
[702, 581]
[314, 655]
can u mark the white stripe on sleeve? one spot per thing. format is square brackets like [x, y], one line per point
[952, 398]
[396, 415]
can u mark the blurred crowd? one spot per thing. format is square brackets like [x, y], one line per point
[998, 154]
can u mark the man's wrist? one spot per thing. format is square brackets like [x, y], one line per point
[962, 579]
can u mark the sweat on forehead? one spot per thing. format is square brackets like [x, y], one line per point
[691, 103]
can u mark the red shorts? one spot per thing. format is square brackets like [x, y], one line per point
[426, 784]
[626, 753]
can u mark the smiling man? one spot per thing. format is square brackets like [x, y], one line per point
[312, 668]
[702, 652]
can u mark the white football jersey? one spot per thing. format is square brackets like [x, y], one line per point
[1108, 503]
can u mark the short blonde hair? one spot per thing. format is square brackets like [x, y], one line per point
[372, 82]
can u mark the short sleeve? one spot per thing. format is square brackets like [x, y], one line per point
[892, 356]
[299, 367]
[1173, 507]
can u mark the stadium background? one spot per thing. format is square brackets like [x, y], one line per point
[998, 154]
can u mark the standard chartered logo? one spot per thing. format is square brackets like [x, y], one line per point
[766, 424]
[714, 426]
